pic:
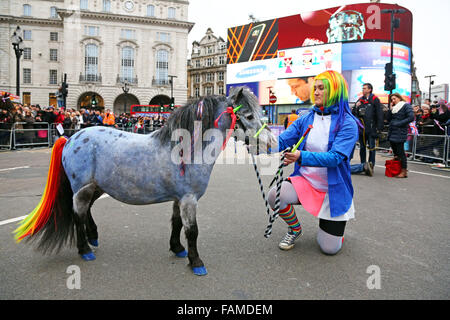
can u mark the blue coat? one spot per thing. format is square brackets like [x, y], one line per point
[337, 159]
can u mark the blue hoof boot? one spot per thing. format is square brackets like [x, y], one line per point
[182, 254]
[93, 242]
[88, 256]
[199, 271]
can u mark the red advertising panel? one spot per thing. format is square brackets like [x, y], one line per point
[254, 41]
[346, 23]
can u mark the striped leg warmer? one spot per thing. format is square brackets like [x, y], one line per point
[289, 216]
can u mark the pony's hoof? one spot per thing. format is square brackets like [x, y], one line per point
[199, 271]
[93, 242]
[182, 254]
[88, 256]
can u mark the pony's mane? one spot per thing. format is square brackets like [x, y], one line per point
[185, 116]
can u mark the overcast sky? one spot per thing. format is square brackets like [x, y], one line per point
[431, 40]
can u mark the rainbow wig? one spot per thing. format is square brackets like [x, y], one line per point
[336, 95]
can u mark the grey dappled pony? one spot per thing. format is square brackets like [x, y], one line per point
[144, 169]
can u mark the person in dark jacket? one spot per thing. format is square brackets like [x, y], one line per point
[399, 116]
[369, 111]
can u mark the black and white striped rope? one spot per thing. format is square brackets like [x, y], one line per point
[276, 209]
[279, 179]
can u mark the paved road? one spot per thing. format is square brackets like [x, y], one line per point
[401, 230]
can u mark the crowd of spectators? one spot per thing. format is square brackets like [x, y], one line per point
[73, 120]
[432, 118]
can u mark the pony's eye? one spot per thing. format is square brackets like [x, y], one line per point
[249, 117]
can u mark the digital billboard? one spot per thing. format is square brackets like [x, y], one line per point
[307, 61]
[345, 23]
[254, 41]
[252, 71]
[375, 55]
[356, 78]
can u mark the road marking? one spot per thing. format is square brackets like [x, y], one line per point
[8, 169]
[12, 220]
[23, 217]
[425, 173]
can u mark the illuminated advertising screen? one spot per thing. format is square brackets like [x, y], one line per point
[356, 79]
[254, 41]
[375, 55]
[253, 71]
[354, 22]
[288, 91]
[307, 61]
[253, 86]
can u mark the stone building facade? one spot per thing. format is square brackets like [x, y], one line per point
[207, 66]
[100, 45]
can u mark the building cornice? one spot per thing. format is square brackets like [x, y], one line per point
[30, 20]
[84, 14]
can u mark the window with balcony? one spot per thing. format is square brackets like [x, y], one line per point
[91, 63]
[127, 64]
[162, 67]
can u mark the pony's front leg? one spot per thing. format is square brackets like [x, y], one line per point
[188, 208]
[177, 224]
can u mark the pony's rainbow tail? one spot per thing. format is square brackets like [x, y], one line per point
[52, 219]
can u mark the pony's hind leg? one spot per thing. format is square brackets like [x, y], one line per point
[188, 208]
[177, 224]
[91, 227]
[81, 204]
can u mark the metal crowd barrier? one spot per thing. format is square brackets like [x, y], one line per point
[421, 147]
[23, 134]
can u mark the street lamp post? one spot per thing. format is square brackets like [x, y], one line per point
[395, 23]
[429, 88]
[125, 89]
[17, 43]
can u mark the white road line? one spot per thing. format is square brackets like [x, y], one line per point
[23, 217]
[424, 173]
[8, 169]
[12, 220]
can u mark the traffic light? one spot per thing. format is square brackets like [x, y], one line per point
[64, 90]
[389, 77]
[172, 104]
[93, 101]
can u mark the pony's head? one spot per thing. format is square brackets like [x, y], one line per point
[249, 116]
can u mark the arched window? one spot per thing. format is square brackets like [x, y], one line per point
[91, 62]
[162, 67]
[26, 10]
[127, 64]
[150, 10]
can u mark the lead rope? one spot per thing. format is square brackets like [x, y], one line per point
[279, 179]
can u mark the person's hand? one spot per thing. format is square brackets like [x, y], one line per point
[358, 103]
[291, 157]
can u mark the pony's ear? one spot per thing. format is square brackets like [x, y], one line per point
[239, 96]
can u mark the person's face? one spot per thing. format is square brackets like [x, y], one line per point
[319, 93]
[426, 111]
[366, 90]
[395, 100]
[300, 88]
[416, 109]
